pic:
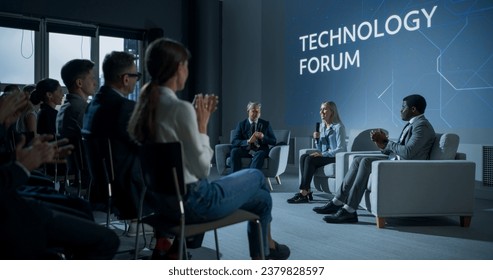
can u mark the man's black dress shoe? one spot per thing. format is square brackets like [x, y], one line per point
[299, 198]
[328, 208]
[342, 216]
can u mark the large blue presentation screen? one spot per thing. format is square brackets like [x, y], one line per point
[367, 55]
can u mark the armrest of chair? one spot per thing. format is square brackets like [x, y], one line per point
[222, 151]
[460, 156]
[278, 160]
[422, 187]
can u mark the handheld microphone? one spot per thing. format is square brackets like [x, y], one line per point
[317, 129]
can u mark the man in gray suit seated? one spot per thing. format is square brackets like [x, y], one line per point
[415, 142]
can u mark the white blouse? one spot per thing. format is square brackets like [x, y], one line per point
[176, 120]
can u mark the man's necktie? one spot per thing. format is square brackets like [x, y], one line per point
[255, 145]
[402, 137]
[404, 133]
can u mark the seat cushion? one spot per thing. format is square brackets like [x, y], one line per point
[445, 146]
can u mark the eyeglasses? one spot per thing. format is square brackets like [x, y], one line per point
[137, 75]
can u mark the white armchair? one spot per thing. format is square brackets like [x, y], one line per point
[441, 186]
[328, 177]
[274, 165]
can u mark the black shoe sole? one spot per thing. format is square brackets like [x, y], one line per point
[340, 221]
[326, 212]
[298, 201]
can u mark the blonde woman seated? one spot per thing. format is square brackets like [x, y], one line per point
[330, 140]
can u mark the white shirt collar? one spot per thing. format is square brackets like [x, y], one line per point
[119, 92]
[167, 91]
[413, 119]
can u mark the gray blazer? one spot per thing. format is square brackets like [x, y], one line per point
[418, 141]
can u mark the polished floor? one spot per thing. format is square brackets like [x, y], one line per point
[310, 238]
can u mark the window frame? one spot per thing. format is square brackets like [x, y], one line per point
[43, 26]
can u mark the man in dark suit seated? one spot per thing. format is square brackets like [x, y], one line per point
[415, 142]
[79, 78]
[252, 138]
[106, 118]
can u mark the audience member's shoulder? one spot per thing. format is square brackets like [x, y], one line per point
[184, 105]
[128, 104]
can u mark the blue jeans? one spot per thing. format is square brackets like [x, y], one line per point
[245, 189]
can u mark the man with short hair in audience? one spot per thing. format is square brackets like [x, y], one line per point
[107, 117]
[79, 78]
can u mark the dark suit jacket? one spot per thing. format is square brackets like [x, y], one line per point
[46, 123]
[243, 132]
[107, 117]
[418, 141]
[69, 125]
[70, 116]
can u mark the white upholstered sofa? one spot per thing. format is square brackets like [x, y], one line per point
[441, 186]
[274, 165]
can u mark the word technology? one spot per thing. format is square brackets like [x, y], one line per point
[412, 21]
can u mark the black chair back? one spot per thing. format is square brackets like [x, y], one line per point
[162, 168]
[100, 164]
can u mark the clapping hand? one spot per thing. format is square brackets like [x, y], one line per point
[379, 137]
[205, 103]
[204, 106]
[42, 151]
[11, 106]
